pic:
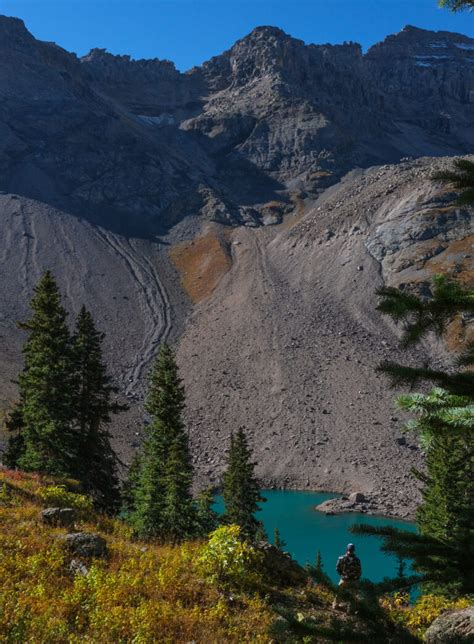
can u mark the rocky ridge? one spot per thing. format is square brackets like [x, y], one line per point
[139, 144]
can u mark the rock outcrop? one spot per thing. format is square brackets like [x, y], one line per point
[268, 119]
[454, 627]
[85, 544]
[58, 517]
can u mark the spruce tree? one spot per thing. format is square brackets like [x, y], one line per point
[179, 511]
[442, 552]
[422, 316]
[97, 463]
[44, 440]
[162, 502]
[16, 443]
[277, 540]
[461, 177]
[241, 490]
[130, 484]
[207, 517]
[319, 562]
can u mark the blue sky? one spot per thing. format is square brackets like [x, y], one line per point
[191, 31]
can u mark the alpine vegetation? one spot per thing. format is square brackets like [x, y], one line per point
[59, 424]
[241, 490]
[162, 504]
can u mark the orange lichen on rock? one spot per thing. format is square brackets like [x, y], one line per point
[457, 260]
[201, 263]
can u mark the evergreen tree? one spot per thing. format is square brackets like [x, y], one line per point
[319, 562]
[462, 176]
[442, 552]
[16, 444]
[130, 484]
[420, 317]
[97, 462]
[241, 490]
[207, 517]
[401, 567]
[317, 572]
[162, 503]
[457, 5]
[179, 510]
[277, 540]
[44, 440]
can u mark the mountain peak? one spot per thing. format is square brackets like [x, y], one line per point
[13, 29]
[269, 30]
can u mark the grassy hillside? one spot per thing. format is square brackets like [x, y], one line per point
[144, 592]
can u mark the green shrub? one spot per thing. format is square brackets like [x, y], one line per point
[228, 560]
[59, 496]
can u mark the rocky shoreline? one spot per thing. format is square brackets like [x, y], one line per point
[363, 504]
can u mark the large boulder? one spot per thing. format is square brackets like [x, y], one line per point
[85, 544]
[455, 627]
[279, 565]
[58, 517]
[356, 497]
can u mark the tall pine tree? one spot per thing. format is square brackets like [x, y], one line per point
[442, 552]
[179, 510]
[42, 420]
[241, 490]
[97, 463]
[207, 517]
[162, 502]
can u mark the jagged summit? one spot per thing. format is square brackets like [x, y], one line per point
[267, 117]
[269, 114]
[411, 37]
[267, 30]
[12, 23]
[102, 54]
[419, 31]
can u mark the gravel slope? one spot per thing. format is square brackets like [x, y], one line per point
[287, 343]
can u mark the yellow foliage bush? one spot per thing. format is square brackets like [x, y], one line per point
[227, 559]
[419, 616]
[59, 496]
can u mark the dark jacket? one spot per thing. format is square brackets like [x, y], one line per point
[348, 567]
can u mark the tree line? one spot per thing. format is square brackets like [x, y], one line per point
[59, 426]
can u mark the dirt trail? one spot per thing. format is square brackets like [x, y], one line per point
[154, 300]
[128, 284]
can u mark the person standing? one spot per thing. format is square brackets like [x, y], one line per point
[349, 569]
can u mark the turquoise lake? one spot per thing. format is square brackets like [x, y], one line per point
[306, 531]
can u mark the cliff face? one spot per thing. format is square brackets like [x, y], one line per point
[264, 122]
[71, 146]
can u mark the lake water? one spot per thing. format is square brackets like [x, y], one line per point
[306, 531]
